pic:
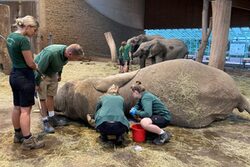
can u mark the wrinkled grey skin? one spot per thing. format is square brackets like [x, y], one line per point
[195, 94]
[140, 39]
[159, 50]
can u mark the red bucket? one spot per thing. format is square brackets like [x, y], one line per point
[138, 133]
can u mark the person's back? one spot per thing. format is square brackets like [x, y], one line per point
[111, 110]
[51, 59]
[109, 117]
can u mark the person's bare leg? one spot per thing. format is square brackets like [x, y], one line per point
[16, 117]
[43, 111]
[146, 123]
[50, 103]
[25, 120]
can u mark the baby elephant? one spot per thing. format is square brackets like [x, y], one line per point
[159, 50]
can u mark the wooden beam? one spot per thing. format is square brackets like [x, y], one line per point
[241, 4]
[221, 22]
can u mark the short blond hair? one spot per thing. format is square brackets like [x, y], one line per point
[113, 89]
[26, 21]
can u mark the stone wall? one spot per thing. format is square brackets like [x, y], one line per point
[5, 63]
[74, 21]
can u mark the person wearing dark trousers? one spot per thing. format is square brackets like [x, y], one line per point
[22, 80]
[152, 112]
[109, 117]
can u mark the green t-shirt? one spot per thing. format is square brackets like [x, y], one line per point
[127, 49]
[110, 108]
[16, 43]
[121, 52]
[150, 105]
[50, 61]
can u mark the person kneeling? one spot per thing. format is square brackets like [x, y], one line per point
[109, 116]
[152, 112]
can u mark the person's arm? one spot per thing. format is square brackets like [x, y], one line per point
[59, 76]
[43, 64]
[27, 53]
[28, 57]
[98, 106]
[147, 108]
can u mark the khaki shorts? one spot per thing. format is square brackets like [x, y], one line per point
[48, 87]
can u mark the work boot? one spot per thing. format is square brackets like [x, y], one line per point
[103, 138]
[32, 143]
[163, 138]
[47, 127]
[54, 121]
[18, 137]
[119, 140]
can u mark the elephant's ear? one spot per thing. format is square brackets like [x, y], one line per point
[118, 79]
[155, 49]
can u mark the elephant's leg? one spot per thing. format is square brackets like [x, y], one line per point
[142, 62]
[153, 60]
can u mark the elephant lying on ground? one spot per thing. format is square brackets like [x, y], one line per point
[142, 38]
[196, 94]
[159, 50]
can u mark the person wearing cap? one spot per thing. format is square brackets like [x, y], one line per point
[153, 113]
[109, 116]
[22, 80]
[50, 63]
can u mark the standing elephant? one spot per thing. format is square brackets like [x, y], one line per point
[137, 40]
[159, 50]
[195, 94]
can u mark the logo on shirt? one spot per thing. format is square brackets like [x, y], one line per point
[10, 42]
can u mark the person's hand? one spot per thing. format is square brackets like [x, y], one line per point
[132, 111]
[37, 88]
[59, 78]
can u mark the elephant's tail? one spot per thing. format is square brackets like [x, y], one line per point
[243, 104]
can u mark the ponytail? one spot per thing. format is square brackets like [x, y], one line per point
[138, 87]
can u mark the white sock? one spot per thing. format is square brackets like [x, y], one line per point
[51, 113]
[162, 131]
[45, 119]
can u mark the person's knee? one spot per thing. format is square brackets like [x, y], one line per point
[17, 108]
[145, 122]
[25, 110]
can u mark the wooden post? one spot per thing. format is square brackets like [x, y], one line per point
[221, 24]
[205, 34]
[5, 61]
[112, 46]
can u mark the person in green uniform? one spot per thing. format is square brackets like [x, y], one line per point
[109, 117]
[121, 55]
[127, 56]
[22, 80]
[50, 62]
[152, 111]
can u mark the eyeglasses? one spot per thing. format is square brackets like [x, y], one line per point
[34, 28]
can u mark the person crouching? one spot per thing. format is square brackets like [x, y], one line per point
[109, 116]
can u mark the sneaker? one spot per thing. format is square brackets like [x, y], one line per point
[119, 140]
[151, 136]
[54, 121]
[32, 143]
[18, 137]
[163, 138]
[47, 127]
[103, 138]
